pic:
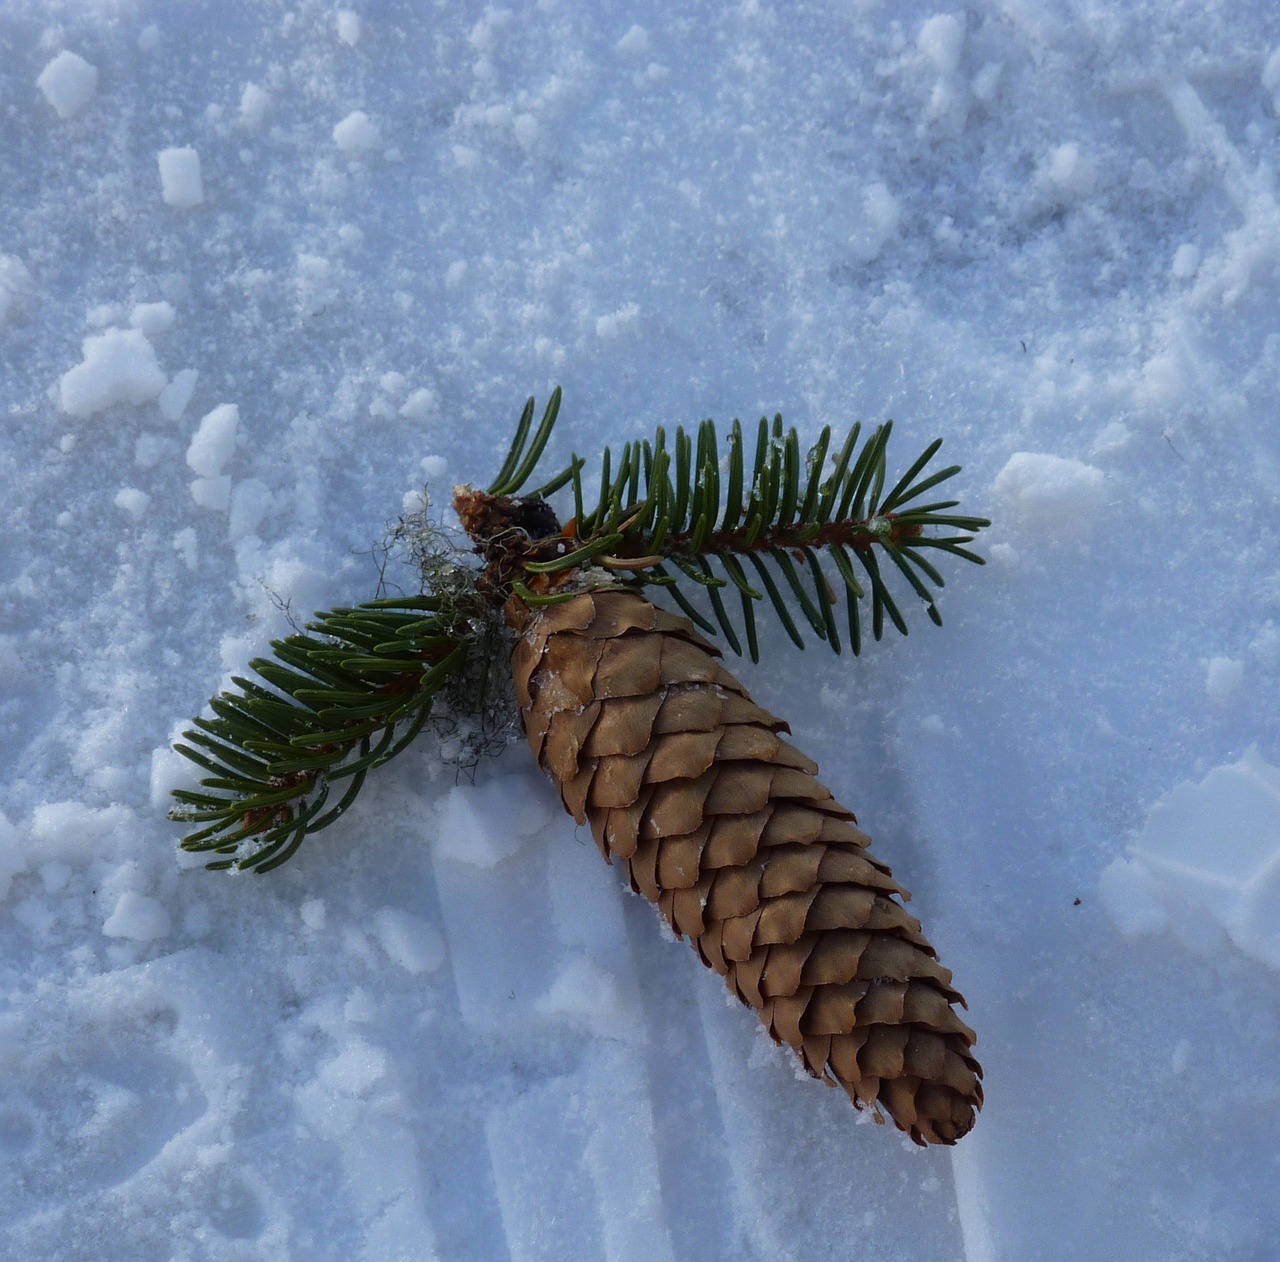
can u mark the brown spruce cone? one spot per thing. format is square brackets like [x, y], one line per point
[725, 827]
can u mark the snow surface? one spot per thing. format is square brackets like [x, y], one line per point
[1045, 230]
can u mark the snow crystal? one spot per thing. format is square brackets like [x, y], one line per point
[181, 185]
[1050, 493]
[1068, 171]
[434, 467]
[1128, 894]
[617, 322]
[986, 81]
[878, 223]
[1114, 437]
[12, 860]
[1207, 853]
[635, 43]
[477, 825]
[149, 38]
[177, 394]
[583, 992]
[69, 83]
[1271, 79]
[360, 1008]
[348, 24]
[250, 503]
[409, 940]
[312, 912]
[941, 40]
[357, 133]
[1186, 261]
[103, 314]
[15, 286]
[1223, 678]
[152, 317]
[419, 405]
[119, 366]
[184, 543]
[212, 493]
[214, 440]
[355, 1070]
[138, 918]
[254, 103]
[133, 502]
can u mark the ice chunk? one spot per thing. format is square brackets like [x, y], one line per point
[152, 317]
[250, 503]
[133, 501]
[254, 103]
[348, 24]
[12, 859]
[119, 366]
[15, 286]
[479, 825]
[419, 405]
[69, 83]
[1223, 678]
[409, 940]
[1067, 171]
[1126, 892]
[138, 918]
[635, 43]
[1208, 853]
[584, 994]
[618, 322]
[214, 440]
[1186, 261]
[356, 1069]
[941, 40]
[312, 912]
[1051, 493]
[357, 133]
[1271, 78]
[878, 223]
[177, 394]
[185, 544]
[181, 185]
[212, 493]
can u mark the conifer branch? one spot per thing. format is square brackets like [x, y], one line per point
[774, 524]
[819, 527]
[329, 707]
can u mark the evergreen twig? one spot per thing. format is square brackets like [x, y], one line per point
[770, 523]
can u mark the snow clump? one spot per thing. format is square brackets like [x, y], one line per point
[119, 366]
[1050, 493]
[69, 83]
[1207, 862]
[181, 184]
[357, 134]
[214, 440]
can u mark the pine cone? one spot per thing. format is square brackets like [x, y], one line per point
[725, 828]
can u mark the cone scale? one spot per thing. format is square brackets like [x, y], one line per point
[724, 827]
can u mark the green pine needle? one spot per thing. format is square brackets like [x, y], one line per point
[775, 506]
[333, 705]
[745, 527]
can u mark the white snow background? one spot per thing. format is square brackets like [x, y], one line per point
[265, 268]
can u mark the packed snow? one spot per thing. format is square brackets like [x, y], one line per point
[273, 273]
